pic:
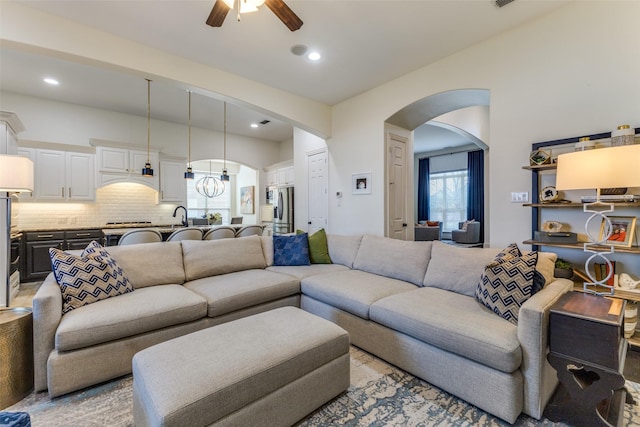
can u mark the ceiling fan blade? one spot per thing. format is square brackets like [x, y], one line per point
[218, 13]
[286, 15]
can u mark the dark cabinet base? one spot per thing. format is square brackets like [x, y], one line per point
[37, 261]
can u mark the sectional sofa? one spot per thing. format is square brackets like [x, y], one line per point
[410, 303]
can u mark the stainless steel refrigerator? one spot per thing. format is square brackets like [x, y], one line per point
[283, 210]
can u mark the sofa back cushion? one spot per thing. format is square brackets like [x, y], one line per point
[203, 258]
[457, 269]
[267, 249]
[397, 259]
[343, 249]
[149, 264]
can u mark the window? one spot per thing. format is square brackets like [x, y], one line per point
[448, 198]
[198, 205]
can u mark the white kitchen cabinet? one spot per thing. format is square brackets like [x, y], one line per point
[61, 175]
[125, 165]
[80, 176]
[10, 125]
[173, 186]
[271, 178]
[286, 176]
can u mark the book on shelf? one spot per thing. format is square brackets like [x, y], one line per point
[622, 198]
[602, 270]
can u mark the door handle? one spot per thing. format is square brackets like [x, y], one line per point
[404, 225]
[309, 223]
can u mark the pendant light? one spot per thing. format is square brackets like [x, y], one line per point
[210, 186]
[147, 171]
[189, 173]
[225, 175]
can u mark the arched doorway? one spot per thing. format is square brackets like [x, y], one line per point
[463, 112]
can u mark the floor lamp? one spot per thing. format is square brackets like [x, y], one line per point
[16, 176]
[611, 167]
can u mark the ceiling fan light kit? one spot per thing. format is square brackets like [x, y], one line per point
[278, 7]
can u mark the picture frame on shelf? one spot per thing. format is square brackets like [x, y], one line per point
[539, 157]
[361, 183]
[623, 230]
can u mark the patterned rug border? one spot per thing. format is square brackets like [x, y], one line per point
[379, 395]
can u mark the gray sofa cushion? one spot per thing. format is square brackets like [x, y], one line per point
[267, 249]
[146, 309]
[343, 249]
[452, 322]
[457, 269]
[308, 270]
[353, 291]
[242, 289]
[150, 264]
[397, 259]
[203, 258]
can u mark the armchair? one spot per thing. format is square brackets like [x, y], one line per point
[469, 235]
[426, 232]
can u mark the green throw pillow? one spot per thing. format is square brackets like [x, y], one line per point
[318, 248]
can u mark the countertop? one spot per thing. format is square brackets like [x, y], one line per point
[117, 229]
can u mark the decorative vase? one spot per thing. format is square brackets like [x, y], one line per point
[630, 318]
[624, 135]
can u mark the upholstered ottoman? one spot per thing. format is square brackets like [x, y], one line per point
[273, 368]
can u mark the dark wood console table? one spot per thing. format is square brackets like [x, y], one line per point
[588, 351]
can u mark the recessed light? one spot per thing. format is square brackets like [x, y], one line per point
[51, 81]
[314, 56]
[254, 125]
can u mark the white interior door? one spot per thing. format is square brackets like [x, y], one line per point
[397, 195]
[318, 191]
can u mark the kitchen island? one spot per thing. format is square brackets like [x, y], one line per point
[112, 235]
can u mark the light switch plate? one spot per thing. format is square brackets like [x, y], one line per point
[520, 197]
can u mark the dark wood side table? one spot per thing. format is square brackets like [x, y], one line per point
[588, 350]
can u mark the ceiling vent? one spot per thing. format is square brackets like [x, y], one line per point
[264, 122]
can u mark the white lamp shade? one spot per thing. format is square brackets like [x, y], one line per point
[16, 174]
[611, 167]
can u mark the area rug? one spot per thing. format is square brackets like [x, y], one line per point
[379, 395]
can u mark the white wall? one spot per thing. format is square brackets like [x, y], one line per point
[65, 123]
[247, 177]
[570, 73]
[57, 122]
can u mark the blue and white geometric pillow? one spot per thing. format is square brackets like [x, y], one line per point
[510, 252]
[87, 279]
[96, 251]
[506, 285]
[291, 250]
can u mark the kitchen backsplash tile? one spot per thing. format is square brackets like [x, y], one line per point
[116, 202]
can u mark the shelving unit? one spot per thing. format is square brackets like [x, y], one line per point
[537, 207]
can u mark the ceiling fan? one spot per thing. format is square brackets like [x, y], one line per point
[278, 7]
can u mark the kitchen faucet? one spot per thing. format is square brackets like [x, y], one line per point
[184, 217]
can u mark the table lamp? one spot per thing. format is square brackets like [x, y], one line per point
[611, 167]
[16, 176]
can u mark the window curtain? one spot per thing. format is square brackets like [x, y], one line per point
[475, 192]
[423, 189]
